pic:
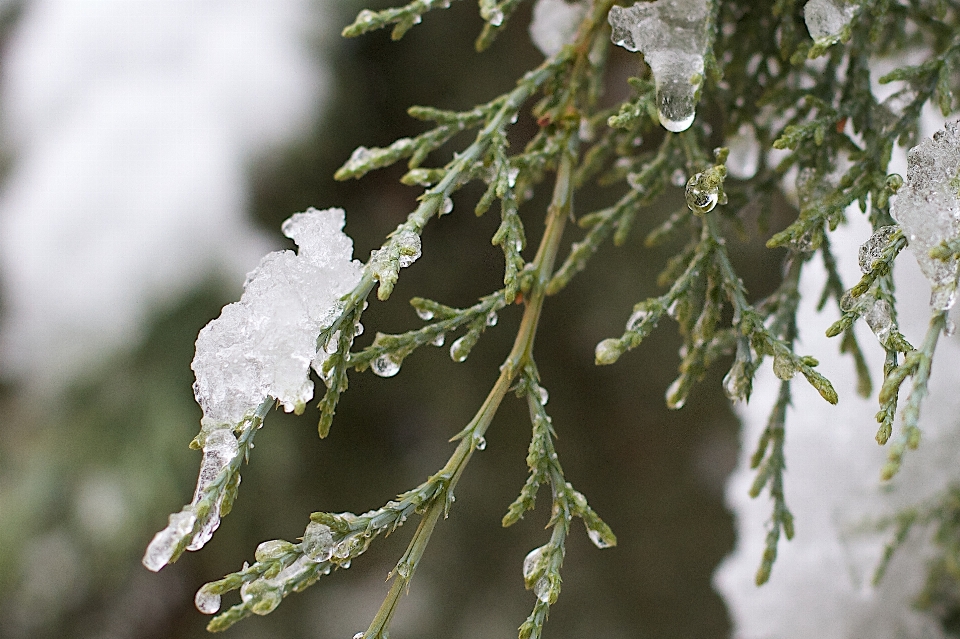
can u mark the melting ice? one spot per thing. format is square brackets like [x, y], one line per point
[672, 35]
[263, 345]
[219, 449]
[928, 208]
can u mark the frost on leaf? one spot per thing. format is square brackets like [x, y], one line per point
[928, 209]
[826, 18]
[263, 345]
[555, 24]
[672, 35]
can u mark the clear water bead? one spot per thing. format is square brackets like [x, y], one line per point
[424, 314]
[701, 194]
[949, 328]
[492, 318]
[532, 562]
[826, 18]
[480, 443]
[460, 349]
[880, 320]
[608, 351]
[439, 339]
[599, 539]
[637, 318]
[409, 244]
[871, 250]
[447, 206]
[207, 602]
[544, 396]
[385, 365]
[318, 542]
[165, 542]
[359, 635]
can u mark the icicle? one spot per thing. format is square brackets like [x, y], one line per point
[219, 450]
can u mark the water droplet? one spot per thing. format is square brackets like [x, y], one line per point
[736, 384]
[409, 245]
[495, 17]
[447, 206]
[385, 365]
[345, 564]
[357, 329]
[676, 104]
[674, 399]
[532, 561]
[636, 318]
[949, 328]
[424, 314]
[678, 177]
[783, 368]
[480, 443]
[879, 319]
[359, 635]
[492, 318]
[702, 193]
[272, 550]
[460, 349]
[599, 539]
[544, 395]
[207, 602]
[608, 351]
[318, 542]
[848, 302]
[512, 175]
[439, 339]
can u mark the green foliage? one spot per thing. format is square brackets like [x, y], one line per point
[810, 101]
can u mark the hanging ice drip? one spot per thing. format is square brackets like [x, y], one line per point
[672, 35]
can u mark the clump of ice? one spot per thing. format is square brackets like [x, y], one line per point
[555, 24]
[263, 345]
[826, 18]
[928, 208]
[672, 35]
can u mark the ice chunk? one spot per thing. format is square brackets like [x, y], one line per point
[927, 207]
[219, 449]
[555, 24]
[672, 35]
[826, 18]
[880, 320]
[263, 345]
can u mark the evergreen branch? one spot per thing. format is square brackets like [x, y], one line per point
[402, 17]
[916, 364]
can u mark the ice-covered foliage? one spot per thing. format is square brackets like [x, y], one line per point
[672, 35]
[263, 345]
[928, 209]
[554, 23]
[826, 18]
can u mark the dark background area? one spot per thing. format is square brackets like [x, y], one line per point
[656, 476]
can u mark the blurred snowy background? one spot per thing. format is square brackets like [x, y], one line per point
[148, 151]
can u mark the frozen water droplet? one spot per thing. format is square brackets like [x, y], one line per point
[544, 395]
[385, 365]
[532, 561]
[219, 449]
[424, 314]
[702, 193]
[736, 383]
[495, 17]
[542, 589]
[359, 635]
[207, 602]
[345, 564]
[460, 349]
[492, 318]
[408, 243]
[318, 542]
[674, 399]
[848, 302]
[439, 339]
[165, 542]
[949, 328]
[871, 250]
[678, 177]
[637, 318]
[599, 539]
[512, 175]
[357, 329]
[608, 351]
[272, 550]
[672, 35]
[783, 368]
[481, 443]
[447, 206]
[879, 319]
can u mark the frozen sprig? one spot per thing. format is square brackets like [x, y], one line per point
[403, 18]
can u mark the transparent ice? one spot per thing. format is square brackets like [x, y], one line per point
[871, 250]
[826, 18]
[879, 318]
[672, 35]
[385, 365]
[165, 542]
[207, 602]
[219, 449]
[927, 207]
[318, 542]
[263, 345]
[555, 24]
